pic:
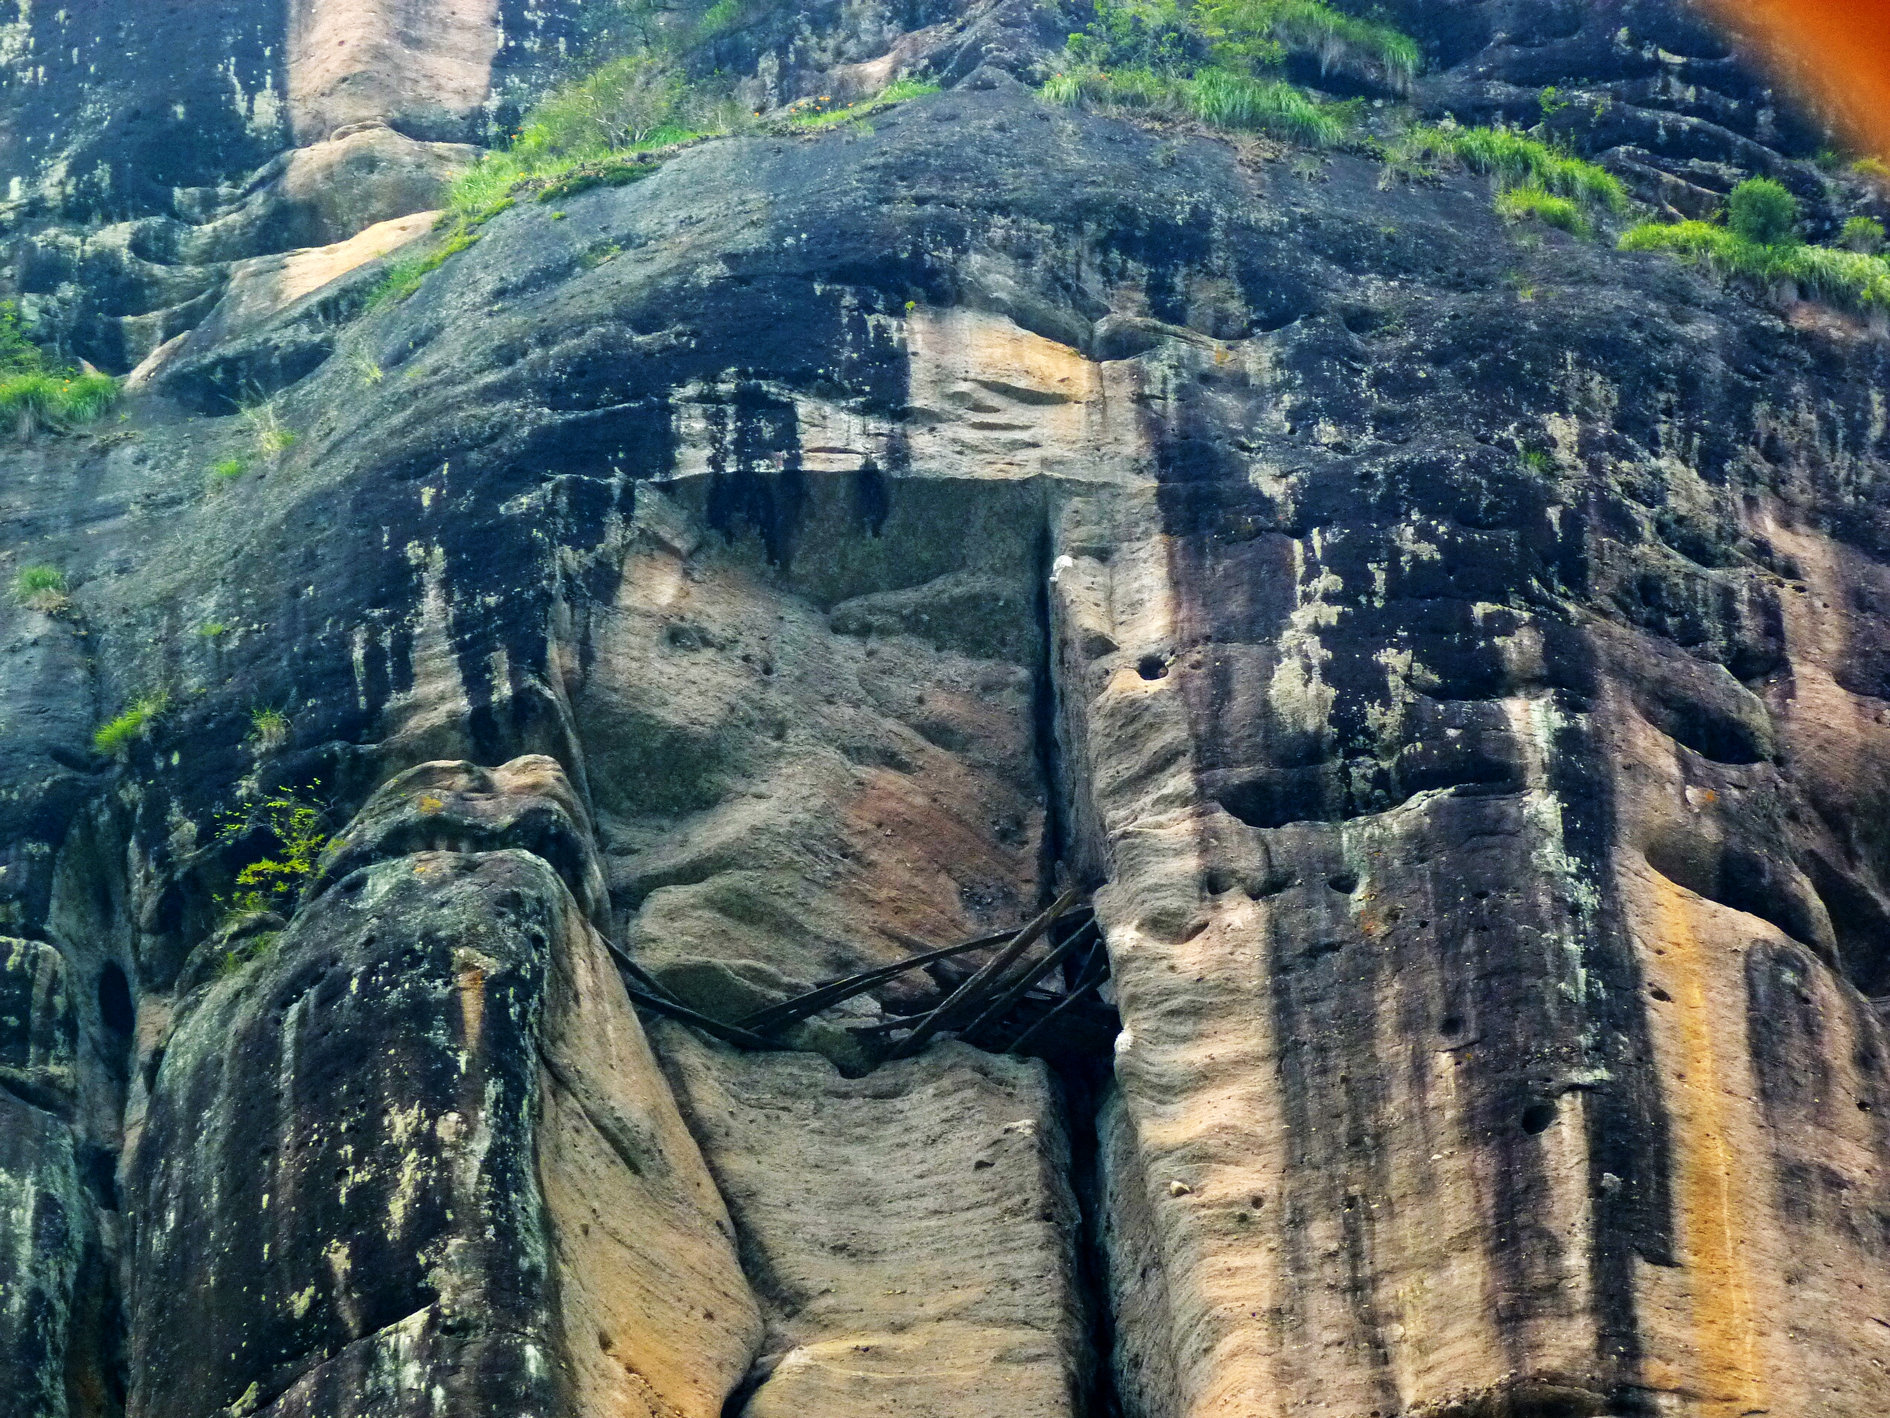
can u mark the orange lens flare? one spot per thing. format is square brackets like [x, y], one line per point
[1836, 52]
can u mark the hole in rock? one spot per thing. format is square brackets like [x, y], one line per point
[1345, 882]
[1537, 1117]
[114, 999]
[1152, 667]
[1451, 1026]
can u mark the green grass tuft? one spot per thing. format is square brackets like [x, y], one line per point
[116, 737]
[403, 277]
[1218, 97]
[1338, 40]
[41, 588]
[37, 400]
[1519, 164]
[1522, 204]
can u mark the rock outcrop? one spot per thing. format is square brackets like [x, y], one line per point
[1450, 655]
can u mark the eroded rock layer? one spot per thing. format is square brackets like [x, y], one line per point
[1450, 657]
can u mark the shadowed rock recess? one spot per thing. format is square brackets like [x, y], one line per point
[1449, 658]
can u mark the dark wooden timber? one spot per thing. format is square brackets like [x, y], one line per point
[1033, 971]
[835, 991]
[975, 987]
[1098, 971]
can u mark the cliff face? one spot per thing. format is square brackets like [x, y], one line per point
[1452, 658]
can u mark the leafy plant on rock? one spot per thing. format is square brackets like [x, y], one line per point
[293, 827]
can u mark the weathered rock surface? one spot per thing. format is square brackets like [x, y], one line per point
[419, 1154]
[1452, 655]
[912, 1234]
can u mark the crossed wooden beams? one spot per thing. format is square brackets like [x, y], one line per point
[1009, 984]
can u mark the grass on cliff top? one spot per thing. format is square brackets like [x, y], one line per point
[1267, 30]
[1218, 97]
[1218, 62]
[1180, 39]
[1517, 162]
[1760, 243]
[598, 131]
[37, 394]
[1857, 281]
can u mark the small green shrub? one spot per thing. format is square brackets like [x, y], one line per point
[1762, 211]
[18, 354]
[1864, 234]
[295, 827]
[115, 737]
[1522, 204]
[213, 629]
[269, 727]
[1139, 34]
[41, 588]
[1873, 168]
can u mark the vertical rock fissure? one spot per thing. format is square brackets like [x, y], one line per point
[1081, 1081]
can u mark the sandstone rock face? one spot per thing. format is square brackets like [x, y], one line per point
[494, 1203]
[910, 1234]
[1450, 656]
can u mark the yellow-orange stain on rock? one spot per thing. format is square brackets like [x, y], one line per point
[1724, 1336]
[472, 1001]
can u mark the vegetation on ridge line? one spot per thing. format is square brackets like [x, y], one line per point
[1220, 61]
[1513, 158]
[1215, 96]
[1760, 243]
[599, 131]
